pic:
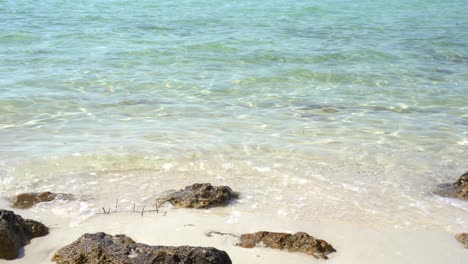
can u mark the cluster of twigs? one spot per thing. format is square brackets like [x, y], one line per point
[142, 211]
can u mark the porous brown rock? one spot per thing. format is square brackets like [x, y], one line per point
[298, 242]
[121, 249]
[16, 232]
[200, 195]
[461, 186]
[458, 189]
[28, 200]
[462, 238]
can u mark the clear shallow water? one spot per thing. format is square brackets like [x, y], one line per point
[343, 110]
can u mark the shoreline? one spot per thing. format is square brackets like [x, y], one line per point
[354, 244]
[345, 124]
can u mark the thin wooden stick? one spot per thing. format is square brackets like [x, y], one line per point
[143, 210]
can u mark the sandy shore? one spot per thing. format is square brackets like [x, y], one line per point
[354, 244]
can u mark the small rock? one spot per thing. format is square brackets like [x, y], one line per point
[462, 238]
[201, 195]
[28, 200]
[458, 189]
[463, 180]
[119, 249]
[16, 232]
[298, 242]
[462, 186]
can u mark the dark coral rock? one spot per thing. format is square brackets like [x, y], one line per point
[16, 232]
[298, 242]
[463, 180]
[28, 200]
[458, 189]
[201, 195]
[462, 186]
[119, 249]
[462, 238]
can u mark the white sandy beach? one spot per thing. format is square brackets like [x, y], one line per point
[347, 120]
[354, 243]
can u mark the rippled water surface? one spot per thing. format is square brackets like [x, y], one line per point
[341, 110]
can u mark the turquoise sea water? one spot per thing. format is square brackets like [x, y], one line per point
[359, 106]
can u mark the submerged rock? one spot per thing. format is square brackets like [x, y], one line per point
[16, 232]
[462, 238]
[298, 242]
[458, 189]
[201, 195]
[119, 249]
[28, 200]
